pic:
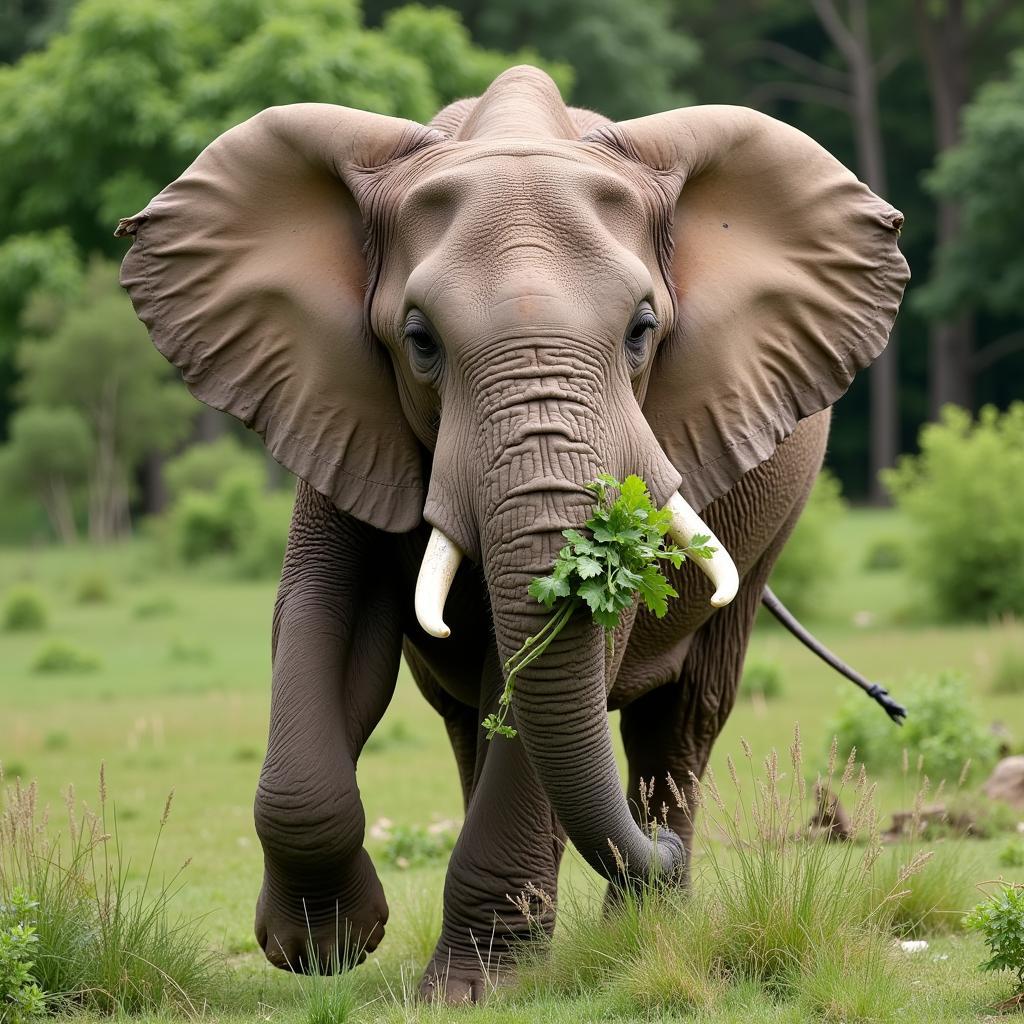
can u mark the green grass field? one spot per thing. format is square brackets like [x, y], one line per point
[179, 700]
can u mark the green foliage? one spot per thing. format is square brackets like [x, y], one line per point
[411, 846]
[627, 59]
[963, 494]
[886, 554]
[1008, 675]
[606, 571]
[942, 729]
[47, 457]
[21, 998]
[238, 522]
[106, 940]
[1012, 854]
[1000, 920]
[60, 658]
[204, 465]
[121, 103]
[24, 611]
[806, 568]
[93, 587]
[984, 264]
[761, 679]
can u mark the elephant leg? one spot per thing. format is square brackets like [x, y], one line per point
[510, 845]
[461, 721]
[671, 729]
[336, 649]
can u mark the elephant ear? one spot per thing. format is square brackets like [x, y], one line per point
[786, 275]
[249, 273]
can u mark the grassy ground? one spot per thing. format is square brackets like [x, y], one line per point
[180, 700]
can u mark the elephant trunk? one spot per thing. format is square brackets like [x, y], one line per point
[560, 707]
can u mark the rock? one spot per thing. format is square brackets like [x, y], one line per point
[927, 820]
[1006, 783]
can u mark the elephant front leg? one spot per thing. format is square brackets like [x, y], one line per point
[337, 642]
[510, 846]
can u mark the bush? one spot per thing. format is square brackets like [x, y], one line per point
[761, 679]
[60, 657]
[1008, 676]
[805, 568]
[106, 946]
[93, 588]
[21, 998]
[1000, 919]
[203, 466]
[885, 554]
[238, 522]
[1012, 854]
[942, 730]
[24, 611]
[963, 494]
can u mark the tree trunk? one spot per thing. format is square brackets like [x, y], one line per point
[944, 40]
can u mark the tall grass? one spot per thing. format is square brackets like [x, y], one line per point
[772, 906]
[104, 944]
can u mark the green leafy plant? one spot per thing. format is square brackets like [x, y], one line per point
[762, 680]
[604, 571]
[1000, 920]
[60, 657]
[24, 611]
[943, 729]
[21, 998]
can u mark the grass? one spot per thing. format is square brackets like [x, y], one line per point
[181, 700]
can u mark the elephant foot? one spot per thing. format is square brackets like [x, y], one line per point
[314, 934]
[457, 981]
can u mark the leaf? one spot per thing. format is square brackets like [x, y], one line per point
[587, 567]
[548, 589]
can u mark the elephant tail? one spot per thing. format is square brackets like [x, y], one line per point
[875, 691]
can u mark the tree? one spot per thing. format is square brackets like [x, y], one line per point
[47, 457]
[981, 176]
[96, 359]
[853, 90]
[627, 58]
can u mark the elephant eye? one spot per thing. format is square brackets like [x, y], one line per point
[424, 350]
[638, 337]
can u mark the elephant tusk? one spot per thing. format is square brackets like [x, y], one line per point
[719, 568]
[440, 562]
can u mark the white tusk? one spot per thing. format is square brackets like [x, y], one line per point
[440, 562]
[719, 568]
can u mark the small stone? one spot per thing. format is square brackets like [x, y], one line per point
[1006, 783]
[913, 945]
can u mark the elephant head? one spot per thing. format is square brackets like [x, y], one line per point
[465, 324]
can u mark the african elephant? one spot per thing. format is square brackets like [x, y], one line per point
[445, 332]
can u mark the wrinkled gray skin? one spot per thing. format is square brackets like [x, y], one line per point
[531, 298]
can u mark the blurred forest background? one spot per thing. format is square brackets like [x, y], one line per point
[104, 102]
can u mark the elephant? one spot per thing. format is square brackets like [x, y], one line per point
[445, 332]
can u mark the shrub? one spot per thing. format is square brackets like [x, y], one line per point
[1012, 854]
[885, 554]
[805, 568]
[21, 998]
[761, 679]
[104, 945]
[24, 611]
[1000, 920]
[1008, 675]
[93, 588]
[942, 730]
[238, 522]
[61, 657]
[963, 494]
[203, 466]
